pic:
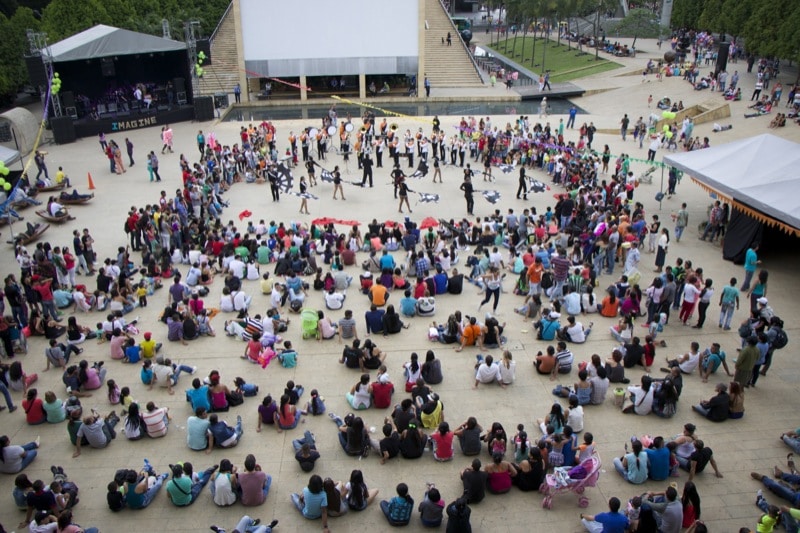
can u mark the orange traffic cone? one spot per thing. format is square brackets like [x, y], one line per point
[91, 183]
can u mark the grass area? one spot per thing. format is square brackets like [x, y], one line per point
[564, 63]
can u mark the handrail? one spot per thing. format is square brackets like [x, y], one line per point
[459, 39]
[222, 18]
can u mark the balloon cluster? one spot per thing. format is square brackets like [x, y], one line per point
[198, 67]
[55, 84]
[4, 172]
[669, 115]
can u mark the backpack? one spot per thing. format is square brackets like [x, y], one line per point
[125, 226]
[781, 339]
[235, 398]
[547, 280]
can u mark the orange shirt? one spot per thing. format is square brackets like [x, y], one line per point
[535, 272]
[609, 309]
[471, 334]
[379, 294]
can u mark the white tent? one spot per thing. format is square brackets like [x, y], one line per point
[106, 41]
[758, 176]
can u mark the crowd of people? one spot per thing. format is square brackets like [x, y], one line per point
[558, 259]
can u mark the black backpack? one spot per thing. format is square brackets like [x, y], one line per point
[781, 339]
[547, 280]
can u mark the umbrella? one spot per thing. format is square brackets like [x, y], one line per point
[324, 221]
[390, 223]
[428, 222]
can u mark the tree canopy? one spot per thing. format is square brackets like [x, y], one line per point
[766, 27]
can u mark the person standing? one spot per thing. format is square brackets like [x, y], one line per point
[201, 143]
[437, 171]
[402, 191]
[366, 165]
[681, 219]
[661, 253]
[546, 85]
[623, 130]
[493, 283]
[745, 362]
[237, 93]
[523, 184]
[573, 112]
[651, 152]
[468, 192]
[152, 164]
[129, 149]
[727, 300]
[449, 39]
[337, 182]
[750, 263]
[303, 199]
[40, 164]
[427, 85]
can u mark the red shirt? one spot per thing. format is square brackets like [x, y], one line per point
[444, 444]
[44, 290]
[382, 394]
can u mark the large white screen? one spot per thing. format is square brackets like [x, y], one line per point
[330, 29]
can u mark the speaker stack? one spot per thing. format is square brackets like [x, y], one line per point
[204, 108]
[63, 130]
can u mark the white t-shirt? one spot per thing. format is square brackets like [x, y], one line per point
[163, 374]
[642, 402]
[688, 366]
[575, 418]
[237, 268]
[507, 375]
[690, 293]
[576, 333]
[226, 303]
[488, 374]
[334, 301]
[240, 300]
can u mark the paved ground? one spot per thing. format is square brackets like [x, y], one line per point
[740, 446]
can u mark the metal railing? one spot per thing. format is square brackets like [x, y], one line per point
[460, 40]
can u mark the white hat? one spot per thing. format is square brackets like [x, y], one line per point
[762, 301]
[384, 378]
[553, 315]
[368, 274]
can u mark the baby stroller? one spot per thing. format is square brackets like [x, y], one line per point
[308, 323]
[574, 479]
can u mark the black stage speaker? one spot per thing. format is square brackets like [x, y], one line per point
[68, 104]
[63, 130]
[107, 67]
[722, 58]
[204, 45]
[204, 108]
[37, 74]
[179, 84]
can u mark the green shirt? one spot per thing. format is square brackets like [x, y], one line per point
[730, 294]
[242, 252]
[180, 491]
[262, 255]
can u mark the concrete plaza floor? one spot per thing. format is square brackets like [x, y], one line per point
[739, 446]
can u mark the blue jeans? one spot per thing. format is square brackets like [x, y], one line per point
[610, 255]
[308, 438]
[748, 276]
[20, 315]
[245, 525]
[4, 391]
[792, 442]
[152, 491]
[49, 308]
[197, 488]
[30, 455]
[726, 314]
[789, 523]
[558, 290]
[784, 492]
[297, 416]
[177, 369]
[679, 232]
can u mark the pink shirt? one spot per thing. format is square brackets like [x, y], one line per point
[92, 379]
[116, 346]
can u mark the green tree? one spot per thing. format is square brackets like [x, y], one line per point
[639, 23]
[712, 17]
[686, 12]
[735, 14]
[63, 18]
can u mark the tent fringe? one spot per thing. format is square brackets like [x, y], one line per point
[761, 217]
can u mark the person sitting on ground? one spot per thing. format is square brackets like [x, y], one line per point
[717, 408]
[182, 490]
[392, 323]
[99, 432]
[398, 510]
[253, 483]
[360, 395]
[686, 362]
[613, 520]
[472, 335]
[221, 434]
[142, 487]
[224, 484]
[374, 319]
[474, 479]
[574, 331]
[486, 371]
[358, 496]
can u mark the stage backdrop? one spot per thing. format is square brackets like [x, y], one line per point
[329, 38]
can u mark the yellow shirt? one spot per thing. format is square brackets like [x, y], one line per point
[148, 349]
[60, 176]
[266, 285]
[141, 291]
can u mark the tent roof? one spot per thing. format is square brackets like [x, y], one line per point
[758, 172]
[9, 156]
[105, 41]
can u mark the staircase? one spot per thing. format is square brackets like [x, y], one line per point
[223, 72]
[446, 66]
